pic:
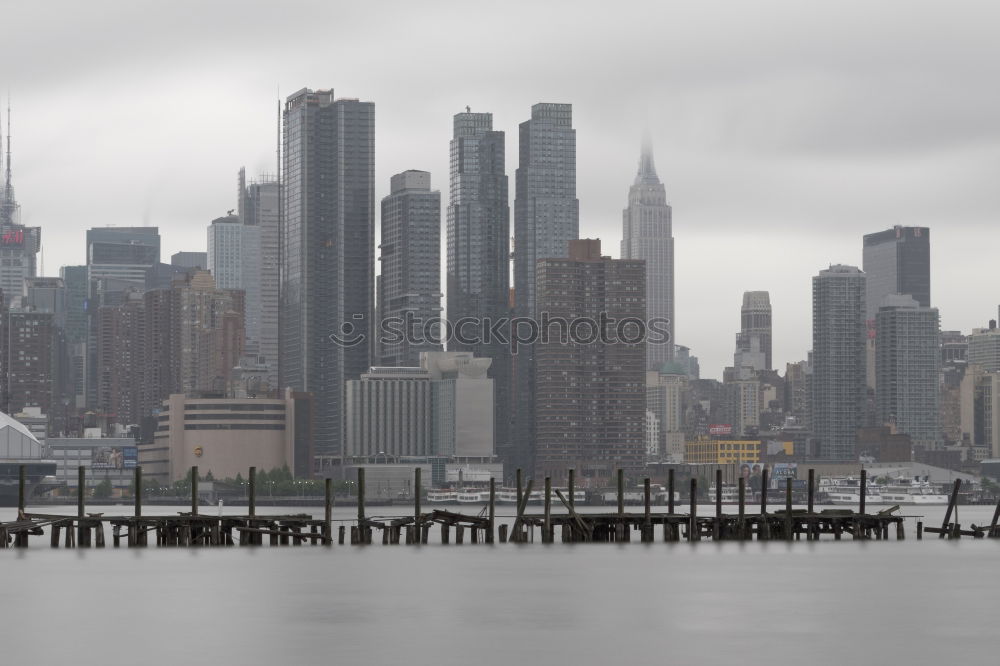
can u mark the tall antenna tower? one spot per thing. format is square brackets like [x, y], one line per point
[7, 209]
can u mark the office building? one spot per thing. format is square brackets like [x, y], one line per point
[591, 393]
[258, 210]
[753, 343]
[897, 261]
[19, 246]
[478, 249]
[226, 436]
[441, 408]
[839, 391]
[664, 407]
[908, 369]
[190, 260]
[546, 218]
[648, 235]
[409, 296]
[327, 301]
[984, 348]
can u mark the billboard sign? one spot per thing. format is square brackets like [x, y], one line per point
[720, 429]
[114, 458]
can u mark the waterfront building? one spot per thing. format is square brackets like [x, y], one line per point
[648, 235]
[226, 436]
[546, 219]
[839, 392]
[705, 450]
[908, 369]
[441, 408]
[478, 249]
[327, 300]
[410, 282]
[980, 410]
[591, 393]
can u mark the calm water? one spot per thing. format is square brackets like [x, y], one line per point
[911, 602]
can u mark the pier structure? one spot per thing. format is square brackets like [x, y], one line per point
[191, 528]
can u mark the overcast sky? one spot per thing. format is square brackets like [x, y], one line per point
[783, 131]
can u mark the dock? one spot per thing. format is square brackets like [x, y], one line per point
[192, 529]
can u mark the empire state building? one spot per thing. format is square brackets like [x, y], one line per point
[647, 234]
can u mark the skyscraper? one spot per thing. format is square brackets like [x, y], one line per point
[753, 343]
[897, 261]
[19, 244]
[546, 218]
[328, 230]
[478, 281]
[410, 284]
[838, 378]
[591, 393]
[908, 368]
[258, 210]
[648, 235]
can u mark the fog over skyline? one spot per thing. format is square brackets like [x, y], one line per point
[782, 131]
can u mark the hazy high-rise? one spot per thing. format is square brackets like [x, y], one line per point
[753, 342]
[838, 378]
[258, 210]
[478, 278]
[897, 261]
[328, 230]
[546, 219]
[648, 235]
[410, 284]
[908, 368]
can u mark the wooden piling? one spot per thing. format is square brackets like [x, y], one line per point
[519, 491]
[361, 496]
[194, 490]
[417, 491]
[812, 489]
[493, 515]
[920, 530]
[647, 499]
[670, 491]
[252, 493]
[81, 488]
[717, 526]
[340, 534]
[445, 532]
[459, 535]
[788, 509]
[328, 512]
[502, 533]
[693, 530]
[742, 510]
[951, 506]
[764, 528]
[547, 525]
[993, 523]
[863, 492]
[137, 488]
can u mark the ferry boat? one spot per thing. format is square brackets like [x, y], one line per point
[847, 490]
[730, 494]
[913, 491]
[509, 496]
[442, 496]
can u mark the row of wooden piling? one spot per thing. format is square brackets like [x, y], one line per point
[191, 529]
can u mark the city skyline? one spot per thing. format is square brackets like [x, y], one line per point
[748, 180]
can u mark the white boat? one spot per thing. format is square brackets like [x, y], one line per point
[509, 496]
[847, 490]
[472, 496]
[730, 494]
[913, 491]
[442, 496]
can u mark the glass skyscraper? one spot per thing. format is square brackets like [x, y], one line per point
[838, 385]
[478, 281]
[546, 219]
[328, 244]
